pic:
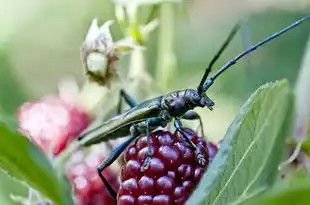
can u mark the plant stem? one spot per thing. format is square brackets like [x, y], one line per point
[166, 62]
[93, 96]
[138, 77]
[137, 64]
[302, 102]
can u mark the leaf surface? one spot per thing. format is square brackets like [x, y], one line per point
[23, 161]
[251, 151]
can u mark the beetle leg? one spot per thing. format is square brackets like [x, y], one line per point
[128, 99]
[192, 115]
[149, 146]
[109, 160]
[151, 122]
[199, 156]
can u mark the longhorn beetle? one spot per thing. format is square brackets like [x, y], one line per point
[159, 111]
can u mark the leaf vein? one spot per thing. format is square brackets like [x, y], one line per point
[247, 151]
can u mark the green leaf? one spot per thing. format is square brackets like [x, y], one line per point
[24, 161]
[10, 186]
[9, 121]
[297, 196]
[247, 161]
[285, 190]
[305, 146]
[12, 94]
[294, 180]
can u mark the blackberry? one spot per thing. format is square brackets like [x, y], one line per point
[172, 174]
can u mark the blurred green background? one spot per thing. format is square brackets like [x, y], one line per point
[40, 41]
[40, 45]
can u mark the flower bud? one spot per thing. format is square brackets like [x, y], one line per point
[99, 52]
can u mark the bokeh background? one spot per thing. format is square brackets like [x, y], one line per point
[40, 41]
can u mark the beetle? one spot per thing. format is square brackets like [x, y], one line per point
[158, 112]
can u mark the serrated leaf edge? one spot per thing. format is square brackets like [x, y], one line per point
[225, 147]
[246, 154]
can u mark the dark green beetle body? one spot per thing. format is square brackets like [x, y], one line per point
[119, 126]
[173, 105]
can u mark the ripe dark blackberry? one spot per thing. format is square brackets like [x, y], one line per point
[87, 186]
[213, 149]
[172, 174]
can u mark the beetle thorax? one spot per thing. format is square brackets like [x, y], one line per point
[179, 102]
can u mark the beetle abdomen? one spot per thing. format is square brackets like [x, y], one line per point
[119, 126]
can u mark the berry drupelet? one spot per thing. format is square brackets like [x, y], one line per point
[87, 186]
[172, 174]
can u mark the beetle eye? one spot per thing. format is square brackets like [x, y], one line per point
[196, 96]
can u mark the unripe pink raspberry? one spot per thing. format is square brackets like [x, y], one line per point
[51, 123]
[172, 174]
[87, 185]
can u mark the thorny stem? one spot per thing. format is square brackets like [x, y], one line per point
[166, 62]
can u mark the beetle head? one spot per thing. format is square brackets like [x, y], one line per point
[194, 98]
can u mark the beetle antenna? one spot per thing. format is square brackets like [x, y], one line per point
[211, 80]
[216, 57]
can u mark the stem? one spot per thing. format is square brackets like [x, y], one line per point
[302, 102]
[166, 62]
[93, 96]
[138, 77]
[293, 156]
[137, 64]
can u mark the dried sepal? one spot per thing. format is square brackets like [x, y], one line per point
[100, 35]
[99, 53]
